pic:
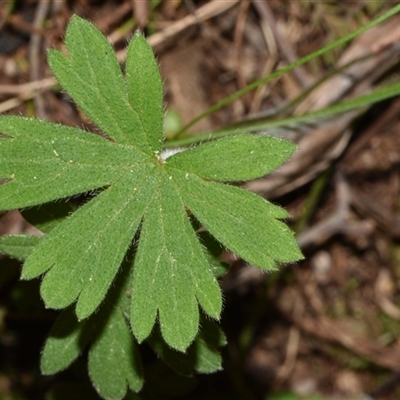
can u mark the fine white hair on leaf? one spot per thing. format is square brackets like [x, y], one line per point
[170, 152]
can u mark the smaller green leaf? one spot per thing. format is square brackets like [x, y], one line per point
[114, 360]
[202, 356]
[234, 158]
[145, 88]
[209, 359]
[66, 341]
[210, 339]
[212, 334]
[18, 246]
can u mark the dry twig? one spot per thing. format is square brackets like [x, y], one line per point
[209, 10]
[320, 147]
[285, 48]
[36, 53]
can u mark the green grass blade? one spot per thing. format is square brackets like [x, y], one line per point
[290, 67]
[342, 107]
[257, 124]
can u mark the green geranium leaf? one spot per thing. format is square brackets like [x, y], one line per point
[139, 192]
[114, 362]
[202, 356]
[85, 251]
[236, 217]
[145, 89]
[18, 246]
[234, 158]
[42, 161]
[168, 243]
[65, 343]
[90, 73]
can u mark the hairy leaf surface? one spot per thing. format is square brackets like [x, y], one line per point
[236, 217]
[135, 195]
[171, 265]
[234, 158]
[145, 89]
[42, 161]
[113, 359]
[90, 73]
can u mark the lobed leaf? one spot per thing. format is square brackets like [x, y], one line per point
[43, 161]
[234, 158]
[85, 252]
[65, 343]
[209, 359]
[172, 274]
[202, 356]
[145, 88]
[114, 360]
[171, 266]
[93, 78]
[244, 222]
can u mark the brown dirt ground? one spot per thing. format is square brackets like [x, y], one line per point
[329, 325]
